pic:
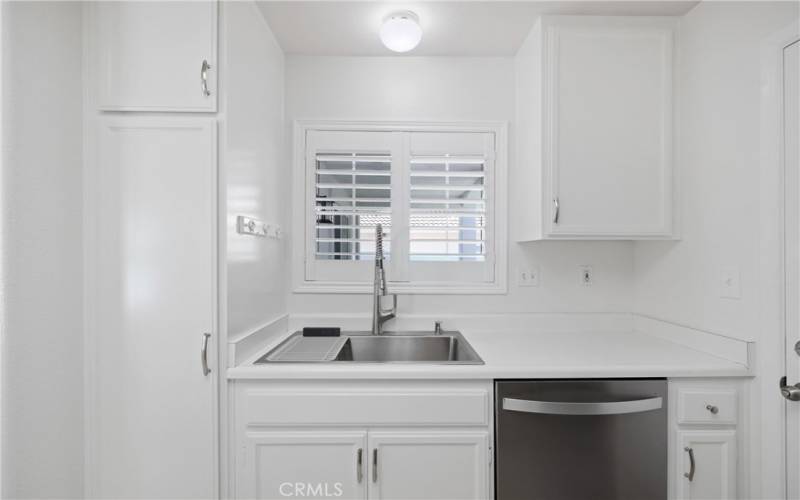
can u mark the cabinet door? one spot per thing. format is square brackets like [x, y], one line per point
[430, 466]
[152, 299]
[608, 144]
[307, 464]
[714, 454]
[149, 55]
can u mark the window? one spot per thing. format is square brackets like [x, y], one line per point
[432, 189]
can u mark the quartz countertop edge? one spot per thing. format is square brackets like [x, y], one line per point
[525, 355]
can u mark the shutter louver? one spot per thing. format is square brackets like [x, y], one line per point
[447, 209]
[353, 195]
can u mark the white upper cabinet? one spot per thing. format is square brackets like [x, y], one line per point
[155, 56]
[595, 129]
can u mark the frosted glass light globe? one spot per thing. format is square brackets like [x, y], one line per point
[401, 31]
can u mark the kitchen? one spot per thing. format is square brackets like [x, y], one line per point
[444, 250]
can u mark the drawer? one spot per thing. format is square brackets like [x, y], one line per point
[365, 407]
[698, 405]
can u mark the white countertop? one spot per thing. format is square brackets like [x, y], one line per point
[527, 355]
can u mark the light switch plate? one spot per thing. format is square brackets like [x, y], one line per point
[528, 276]
[729, 283]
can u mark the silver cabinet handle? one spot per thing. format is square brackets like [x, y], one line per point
[689, 475]
[600, 408]
[204, 354]
[713, 409]
[557, 210]
[360, 464]
[204, 78]
[375, 465]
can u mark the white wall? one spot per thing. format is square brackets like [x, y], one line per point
[253, 164]
[718, 129]
[42, 310]
[453, 89]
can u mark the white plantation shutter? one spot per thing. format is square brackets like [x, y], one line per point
[451, 207]
[433, 193]
[353, 195]
[447, 209]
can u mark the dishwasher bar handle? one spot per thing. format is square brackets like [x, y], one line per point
[599, 408]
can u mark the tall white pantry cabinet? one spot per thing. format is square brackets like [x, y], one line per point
[151, 231]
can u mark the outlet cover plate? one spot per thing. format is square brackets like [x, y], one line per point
[730, 283]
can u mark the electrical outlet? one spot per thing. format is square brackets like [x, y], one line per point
[729, 283]
[586, 275]
[528, 277]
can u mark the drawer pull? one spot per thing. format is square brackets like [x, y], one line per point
[689, 475]
[204, 355]
[375, 465]
[360, 465]
[557, 210]
[713, 409]
[204, 78]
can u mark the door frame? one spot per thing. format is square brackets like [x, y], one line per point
[769, 467]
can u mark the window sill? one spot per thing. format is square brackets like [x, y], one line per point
[404, 288]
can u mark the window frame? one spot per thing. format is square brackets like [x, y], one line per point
[303, 183]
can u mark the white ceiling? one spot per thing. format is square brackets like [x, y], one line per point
[450, 28]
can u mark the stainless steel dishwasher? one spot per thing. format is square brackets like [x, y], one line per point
[581, 439]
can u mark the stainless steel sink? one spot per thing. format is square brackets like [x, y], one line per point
[391, 347]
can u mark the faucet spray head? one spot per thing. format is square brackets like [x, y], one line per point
[378, 242]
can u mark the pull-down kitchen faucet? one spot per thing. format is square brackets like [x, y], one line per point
[379, 314]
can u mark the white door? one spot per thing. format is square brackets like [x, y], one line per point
[149, 55]
[791, 93]
[608, 100]
[429, 465]
[152, 299]
[706, 462]
[304, 464]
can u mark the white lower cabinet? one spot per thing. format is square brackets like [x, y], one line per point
[427, 465]
[707, 461]
[706, 436]
[304, 464]
[355, 440]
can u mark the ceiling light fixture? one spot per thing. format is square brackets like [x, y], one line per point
[401, 31]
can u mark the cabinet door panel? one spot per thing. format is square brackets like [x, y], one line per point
[310, 464]
[714, 461]
[149, 55]
[609, 103]
[152, 297]
[430, 466]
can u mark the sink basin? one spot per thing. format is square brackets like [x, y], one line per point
[443, 348]
[391, 347]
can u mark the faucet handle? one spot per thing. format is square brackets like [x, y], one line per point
[437, 328]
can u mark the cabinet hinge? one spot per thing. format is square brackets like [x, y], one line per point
[491, 455]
